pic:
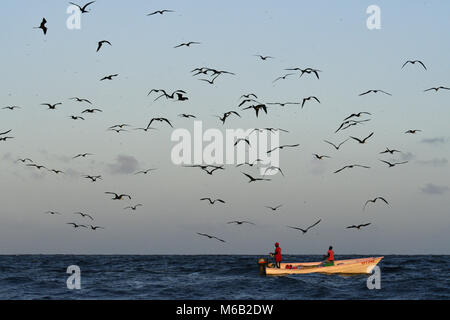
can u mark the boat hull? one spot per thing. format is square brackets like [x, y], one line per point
[350, 266]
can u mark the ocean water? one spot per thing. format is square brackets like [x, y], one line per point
[227, 277]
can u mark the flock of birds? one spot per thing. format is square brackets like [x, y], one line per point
[248, 102]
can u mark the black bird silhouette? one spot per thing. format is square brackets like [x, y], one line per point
[437, 88]
[184, 115]
[145, 129]
[179, 94]
[263, 57]
[55, 171]
[389, 151]
[364, 140]
[205, 167]
[282, 104]
[84, 215]
[375, 91]
[160, 12]
[5, 138]
[338, 146]
[242, 139]
[119, 197]
[211, 201]
[357, 115]
[53, 213]
[91, 111]
[247, 100]
[309, 98]
[240, 222]
[39, 167]
[210, 172]
[254, 179]
[413, 131]
[11, 107]
[374, 200]
[347, 124]
[145, 171]
[358, 226]
[24, 160]
[160, 120]
[393, 164]
[305, 230]
[77, 225]
[156, 90]
[249, 164]
[283, 77]
[220, 72]
[6, 132]
[210, 81]
[117, 130]
[82, 155]
[119, 126]
[274, 208]
[42, 26]
[210, 237]
[93, 178]
[109, 77]
[180, 97]
[273, 168]
[226, 115]
[83, 8]
[284, 146]
[80, 100]
[248, 95]
[133, 207]
[351, 166]
[320, 157]
[414, 62]
[268, 129]
[100, 44]
[307, 70]
[96, 227]
[76, 118]
[51, 106]
[186, 44]
[202, 70]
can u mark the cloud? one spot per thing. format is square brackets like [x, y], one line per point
[434, 189]
[318, 168]
[72, 173]
[124, 165]
[404, 156]
[437, 140]
[434, 162]
[7, 156]
[408, 156]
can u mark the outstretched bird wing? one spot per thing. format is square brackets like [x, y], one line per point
[314, 224]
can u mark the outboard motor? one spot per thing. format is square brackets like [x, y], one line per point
[262, 266]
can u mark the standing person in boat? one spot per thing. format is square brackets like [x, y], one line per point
[277, 255]
[329, 258]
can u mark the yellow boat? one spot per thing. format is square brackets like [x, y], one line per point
[350, 266]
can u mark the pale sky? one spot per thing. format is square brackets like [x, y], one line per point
[330, 36]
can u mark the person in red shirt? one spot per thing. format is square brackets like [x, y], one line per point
[329, 257]
[277, 255]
